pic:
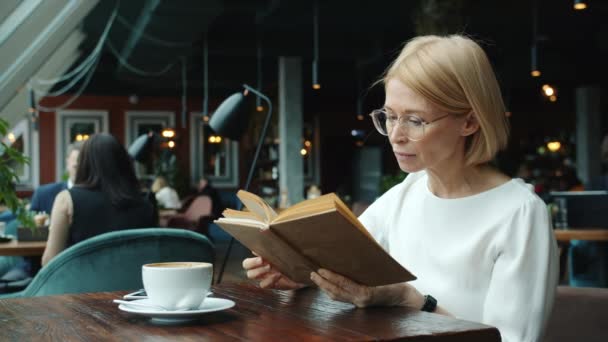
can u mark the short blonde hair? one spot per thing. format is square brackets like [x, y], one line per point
[454, 73]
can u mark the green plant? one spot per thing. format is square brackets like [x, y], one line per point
[388, 181]
[9, 157]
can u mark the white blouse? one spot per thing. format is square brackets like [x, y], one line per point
[167, 198]
[490, 258]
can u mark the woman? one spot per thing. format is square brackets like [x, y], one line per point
[479, 242]
[104, 198]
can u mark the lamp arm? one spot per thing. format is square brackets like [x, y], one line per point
[251, 170]
[262, 134]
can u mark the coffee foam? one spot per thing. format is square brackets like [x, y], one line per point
[178, 264]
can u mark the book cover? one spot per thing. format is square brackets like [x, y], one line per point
[313, 234]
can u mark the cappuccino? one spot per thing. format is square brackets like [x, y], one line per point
[177, 285]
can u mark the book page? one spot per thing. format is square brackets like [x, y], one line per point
[242, 221]
[307, 207]
[231, 213]
[257, 205]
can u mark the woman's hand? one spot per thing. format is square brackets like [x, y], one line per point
[270, 278]
[343, 289]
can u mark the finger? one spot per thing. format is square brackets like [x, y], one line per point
[250, 263]
[333, 291]
[258, 272]
[270, 280]
[340, 281]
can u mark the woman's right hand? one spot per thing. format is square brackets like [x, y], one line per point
[269, 277]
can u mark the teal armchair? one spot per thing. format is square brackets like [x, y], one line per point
[112, 261]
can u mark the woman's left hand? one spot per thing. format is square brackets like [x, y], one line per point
[346, 290]
[342, 289]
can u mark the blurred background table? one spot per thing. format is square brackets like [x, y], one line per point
[564, 236]
[22, 248]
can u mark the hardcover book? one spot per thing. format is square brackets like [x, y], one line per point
[316, 233]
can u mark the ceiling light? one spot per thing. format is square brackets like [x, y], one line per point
[535, 71]
[168, 133]
[548, 90]
[579, 5]
[315, 63]
[554, 146]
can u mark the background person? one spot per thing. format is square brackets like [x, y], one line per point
[205, 188]
[479, 242]
[104, 198]
[44, 196]
[166, 196]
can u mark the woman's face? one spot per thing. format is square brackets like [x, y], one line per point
[442, 144]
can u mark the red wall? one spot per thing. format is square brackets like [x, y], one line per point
[116, 106]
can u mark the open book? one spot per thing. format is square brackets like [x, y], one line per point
[313, 234]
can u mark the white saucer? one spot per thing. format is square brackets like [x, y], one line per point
[211, 304]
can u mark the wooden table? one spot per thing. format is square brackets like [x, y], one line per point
[564, 236]
[22, 248]
[259, 315]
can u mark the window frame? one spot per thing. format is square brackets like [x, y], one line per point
[63, 121]
[197, 155]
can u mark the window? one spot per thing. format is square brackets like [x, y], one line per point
[21, 139]
[76, 125]
[212, 156]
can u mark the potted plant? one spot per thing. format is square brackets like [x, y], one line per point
[9, 158]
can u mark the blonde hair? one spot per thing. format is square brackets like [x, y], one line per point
[159, 183]
[454, 73]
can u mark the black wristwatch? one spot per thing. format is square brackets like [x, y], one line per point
[430, 304]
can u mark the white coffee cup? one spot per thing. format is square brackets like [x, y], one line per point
[177, 285]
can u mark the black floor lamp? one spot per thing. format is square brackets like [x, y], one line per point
[230, 120]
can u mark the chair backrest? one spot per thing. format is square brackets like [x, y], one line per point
[579, 314]
[200, 206]
[112, 261]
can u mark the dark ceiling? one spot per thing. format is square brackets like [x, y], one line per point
[357, 38]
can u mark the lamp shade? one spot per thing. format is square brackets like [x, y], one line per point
[230, 119]
[140, 147]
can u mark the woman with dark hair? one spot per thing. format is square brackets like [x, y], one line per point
[104, 198]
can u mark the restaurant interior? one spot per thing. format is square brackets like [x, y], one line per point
[273, 97]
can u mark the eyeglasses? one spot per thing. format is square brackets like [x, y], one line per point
[411, 125]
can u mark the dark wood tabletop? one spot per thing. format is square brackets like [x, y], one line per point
[259, 315]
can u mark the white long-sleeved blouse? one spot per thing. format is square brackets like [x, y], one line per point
[490, 258]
